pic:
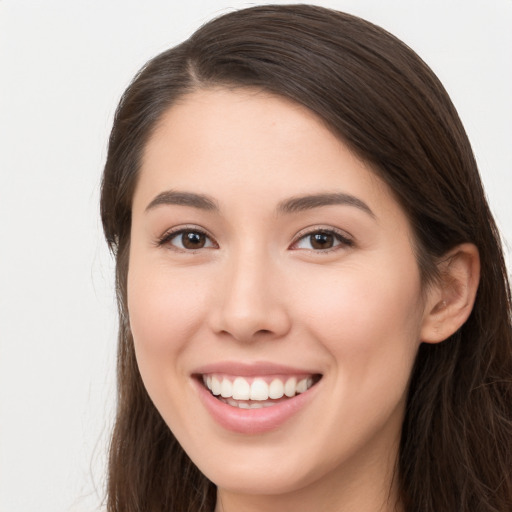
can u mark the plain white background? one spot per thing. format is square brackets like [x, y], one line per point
[63, 67]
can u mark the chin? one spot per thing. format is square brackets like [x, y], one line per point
[246, 478]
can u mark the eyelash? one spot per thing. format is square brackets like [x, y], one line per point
[167, 238]
[339, 236]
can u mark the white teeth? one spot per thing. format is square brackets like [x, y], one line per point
[226, 388]
[241, 389]
[276, 389]
[247, 405]
[302, 386]
[215, 386]
[258, 390]
[290, 387]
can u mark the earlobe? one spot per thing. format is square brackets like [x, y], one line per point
[450, 300]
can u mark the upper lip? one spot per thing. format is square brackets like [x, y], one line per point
[253, 369]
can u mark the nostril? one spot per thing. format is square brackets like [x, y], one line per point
[264, 332]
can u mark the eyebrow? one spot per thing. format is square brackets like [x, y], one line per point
[292, 205]
[171, 197]
[301, 203]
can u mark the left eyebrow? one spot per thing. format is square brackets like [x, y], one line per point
[301, 203]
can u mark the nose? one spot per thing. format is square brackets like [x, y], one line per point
[251, 302]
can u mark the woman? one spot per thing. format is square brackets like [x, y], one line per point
[315, 313]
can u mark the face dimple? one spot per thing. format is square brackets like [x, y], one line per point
[265, 300]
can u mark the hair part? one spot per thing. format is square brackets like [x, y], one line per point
[385, 103]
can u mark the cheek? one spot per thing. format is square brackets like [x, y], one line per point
[368, 320]
[163, 310]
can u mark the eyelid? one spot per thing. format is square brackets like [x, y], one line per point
[342, 236]
[165, 239]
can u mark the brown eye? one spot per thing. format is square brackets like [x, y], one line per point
[193, 240]
[321, 240]
[187, 240]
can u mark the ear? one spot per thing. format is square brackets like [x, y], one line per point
[451, 298]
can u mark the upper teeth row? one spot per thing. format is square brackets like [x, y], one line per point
[240, 389]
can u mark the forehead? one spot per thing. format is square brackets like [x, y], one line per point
[247, 144]
[222, 121]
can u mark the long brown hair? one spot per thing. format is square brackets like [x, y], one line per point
[383, 101]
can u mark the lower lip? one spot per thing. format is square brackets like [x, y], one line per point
[253, 421]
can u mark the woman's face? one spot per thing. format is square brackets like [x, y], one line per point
[266, 258]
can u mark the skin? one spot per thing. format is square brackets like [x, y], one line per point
[259, 291]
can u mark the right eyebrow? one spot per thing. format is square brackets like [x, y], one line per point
[200, 201]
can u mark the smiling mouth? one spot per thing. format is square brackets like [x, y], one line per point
[257, 392]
